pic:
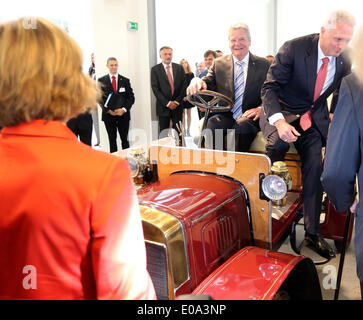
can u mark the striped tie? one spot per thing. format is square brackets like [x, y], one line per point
[239, 82]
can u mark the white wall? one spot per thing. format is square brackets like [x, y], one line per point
[297, 18]
[192, 27]
[74, 14]
[111, 38]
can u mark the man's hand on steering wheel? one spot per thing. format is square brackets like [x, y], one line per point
[196, 85]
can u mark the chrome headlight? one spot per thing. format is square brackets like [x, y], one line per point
[134, 166]
[274, 187]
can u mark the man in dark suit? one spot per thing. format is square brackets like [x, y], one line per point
[343, 159]
[304, 73]
[116, 118]
[81, 126]
[168, 85]
[238, 76]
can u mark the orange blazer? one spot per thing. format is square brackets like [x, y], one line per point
[70, 224]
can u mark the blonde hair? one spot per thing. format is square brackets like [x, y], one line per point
[357, 54]
[189, 69]
[41, 74]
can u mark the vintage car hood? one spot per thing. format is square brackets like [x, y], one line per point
[200, 194]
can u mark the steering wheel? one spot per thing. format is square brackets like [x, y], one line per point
[218, 102]
[210, 101]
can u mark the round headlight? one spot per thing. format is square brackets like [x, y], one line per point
[134, 166]
[274, 187]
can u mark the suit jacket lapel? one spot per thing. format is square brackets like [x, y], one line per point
[311, 64]
[175, 75]
[229, 75]
[251, 75]
[119, 82]
[109, 83]
[339, 67]
[163, 74]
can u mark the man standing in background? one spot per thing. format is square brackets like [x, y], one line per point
[116, 118]
[168, 85]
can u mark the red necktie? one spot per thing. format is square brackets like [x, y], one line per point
[305, 120]
[114, 83]
[170, 78]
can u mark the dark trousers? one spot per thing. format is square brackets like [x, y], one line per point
[114, 124]
[82, 127]
[308, 146]
[243, 133]
[164, 122]
[201, 114]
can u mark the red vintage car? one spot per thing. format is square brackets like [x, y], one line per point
[210, 227]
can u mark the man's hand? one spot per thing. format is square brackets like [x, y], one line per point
[196, 85]
[173, 105]
[331, 117]
[116, 112]
[252, 113]
[286, 131]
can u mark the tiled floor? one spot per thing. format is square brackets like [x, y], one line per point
[349, 287]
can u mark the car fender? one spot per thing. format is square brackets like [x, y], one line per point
[258, 274]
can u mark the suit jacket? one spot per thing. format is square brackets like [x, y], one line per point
[220, 78]
[127, 95]
[71, 213]
[344, 154]
[203, 73]
[162, 89]
[291, 79]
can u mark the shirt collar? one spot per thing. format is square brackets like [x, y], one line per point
[40, 128]
[165, 65]
[245, 59]
[321, 55]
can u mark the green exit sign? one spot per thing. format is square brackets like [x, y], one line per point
[132, 25]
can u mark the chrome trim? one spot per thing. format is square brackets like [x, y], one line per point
[164, 229]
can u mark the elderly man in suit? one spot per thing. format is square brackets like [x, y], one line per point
[305, 72]
[168, 85]
[118, 118]
[239, 76]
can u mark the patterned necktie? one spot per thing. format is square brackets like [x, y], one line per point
[170, 78]
[239, 82]
[114, 83]
[305, 120]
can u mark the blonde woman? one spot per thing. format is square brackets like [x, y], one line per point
[189, 75]
[69, 221]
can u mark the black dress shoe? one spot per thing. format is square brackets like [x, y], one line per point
[319, 245]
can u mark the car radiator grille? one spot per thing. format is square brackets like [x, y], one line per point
[157, 267]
